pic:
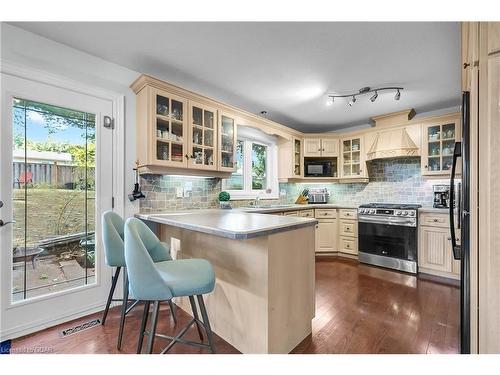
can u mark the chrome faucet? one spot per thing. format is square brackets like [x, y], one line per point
[256, 201]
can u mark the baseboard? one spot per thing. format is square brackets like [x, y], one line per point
[329, 256]
[422, 274]
[32, 327]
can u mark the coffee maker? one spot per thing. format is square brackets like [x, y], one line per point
[441, 196]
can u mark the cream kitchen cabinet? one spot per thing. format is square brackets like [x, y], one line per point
[348, 228]
[161, 121]
[326, 231]
[227, 142]
[438, 142]
[322, 147]
[435, 255]
[493, 37]
[353, 158]
[203, 137]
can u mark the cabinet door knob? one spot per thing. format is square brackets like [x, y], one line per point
[466, 65]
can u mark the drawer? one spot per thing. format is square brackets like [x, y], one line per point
[345, 213]
[348, 245]
[349, 228]
[434, 220]
[291, 213]
[322, 213]
[306, 213]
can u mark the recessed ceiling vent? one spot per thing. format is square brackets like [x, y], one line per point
[393, 141]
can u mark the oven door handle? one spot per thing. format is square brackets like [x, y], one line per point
[397, 222]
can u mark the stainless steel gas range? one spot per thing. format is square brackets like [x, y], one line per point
[388, 235]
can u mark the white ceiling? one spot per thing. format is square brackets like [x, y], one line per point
[285, 68]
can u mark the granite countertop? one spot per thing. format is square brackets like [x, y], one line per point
[234, 224]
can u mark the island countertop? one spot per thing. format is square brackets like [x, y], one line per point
[233, 224]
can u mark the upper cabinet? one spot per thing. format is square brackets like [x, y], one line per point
[227, 142]
[493, 37]
[162, 124]
[323, 147]
[352, 158]
[298, 159]
[203, 137]
[438, 143]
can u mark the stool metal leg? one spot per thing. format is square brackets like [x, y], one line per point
[195, 315]
[111, 292]
[124, 310]
[152, 331]
[206, 323]
[171, 304]
[143, 326]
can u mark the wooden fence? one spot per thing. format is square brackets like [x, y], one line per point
[49, 174]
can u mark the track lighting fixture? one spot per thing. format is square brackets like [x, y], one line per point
[365, 90]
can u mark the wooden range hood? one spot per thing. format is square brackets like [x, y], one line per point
[392, 141]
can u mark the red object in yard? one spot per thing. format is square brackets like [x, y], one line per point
[25, 178]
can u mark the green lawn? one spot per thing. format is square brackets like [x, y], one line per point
[50, 212]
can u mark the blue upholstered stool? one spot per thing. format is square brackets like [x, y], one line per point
[112, 238]
[152, 281]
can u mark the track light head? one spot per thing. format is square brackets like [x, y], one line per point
[397, 96]
[374, 97]
[352, 101]
[330, 100]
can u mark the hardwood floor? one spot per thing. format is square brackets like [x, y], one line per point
[359, 309]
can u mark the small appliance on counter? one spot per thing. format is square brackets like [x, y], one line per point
[441, 196]
[319, 195]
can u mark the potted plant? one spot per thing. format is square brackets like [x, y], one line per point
[224, 198]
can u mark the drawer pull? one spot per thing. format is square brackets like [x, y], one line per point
[436, 220]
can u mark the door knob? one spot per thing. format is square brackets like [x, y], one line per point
[3, 223]
[1, 204]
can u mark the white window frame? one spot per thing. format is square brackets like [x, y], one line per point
[252, 136]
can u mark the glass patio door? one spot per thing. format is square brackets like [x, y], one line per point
[56, 182]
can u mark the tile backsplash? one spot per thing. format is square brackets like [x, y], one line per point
[395, 181]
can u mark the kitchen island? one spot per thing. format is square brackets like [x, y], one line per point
[263, 301]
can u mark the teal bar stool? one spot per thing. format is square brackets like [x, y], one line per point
[112, 238]
[153, 282]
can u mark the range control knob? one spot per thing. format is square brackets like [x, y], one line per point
[411, 213]
[371, 212]
[404, 213]
[398, 213]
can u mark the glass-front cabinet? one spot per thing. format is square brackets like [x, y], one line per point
[352, 158]
[227, 142]
[297, 157]
[438, 145]
[169, 129]
[203, 137]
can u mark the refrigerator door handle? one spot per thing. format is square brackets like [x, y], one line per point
[456, 154]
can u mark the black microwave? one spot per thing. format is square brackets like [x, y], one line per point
[318, 168]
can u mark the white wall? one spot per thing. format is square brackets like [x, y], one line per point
[33, 51]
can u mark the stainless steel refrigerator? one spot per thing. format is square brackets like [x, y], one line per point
[461, 250]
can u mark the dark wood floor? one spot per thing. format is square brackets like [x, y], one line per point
[359, 309]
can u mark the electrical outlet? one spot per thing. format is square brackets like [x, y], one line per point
[179, 192]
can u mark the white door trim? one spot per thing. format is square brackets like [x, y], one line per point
[118, 112]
